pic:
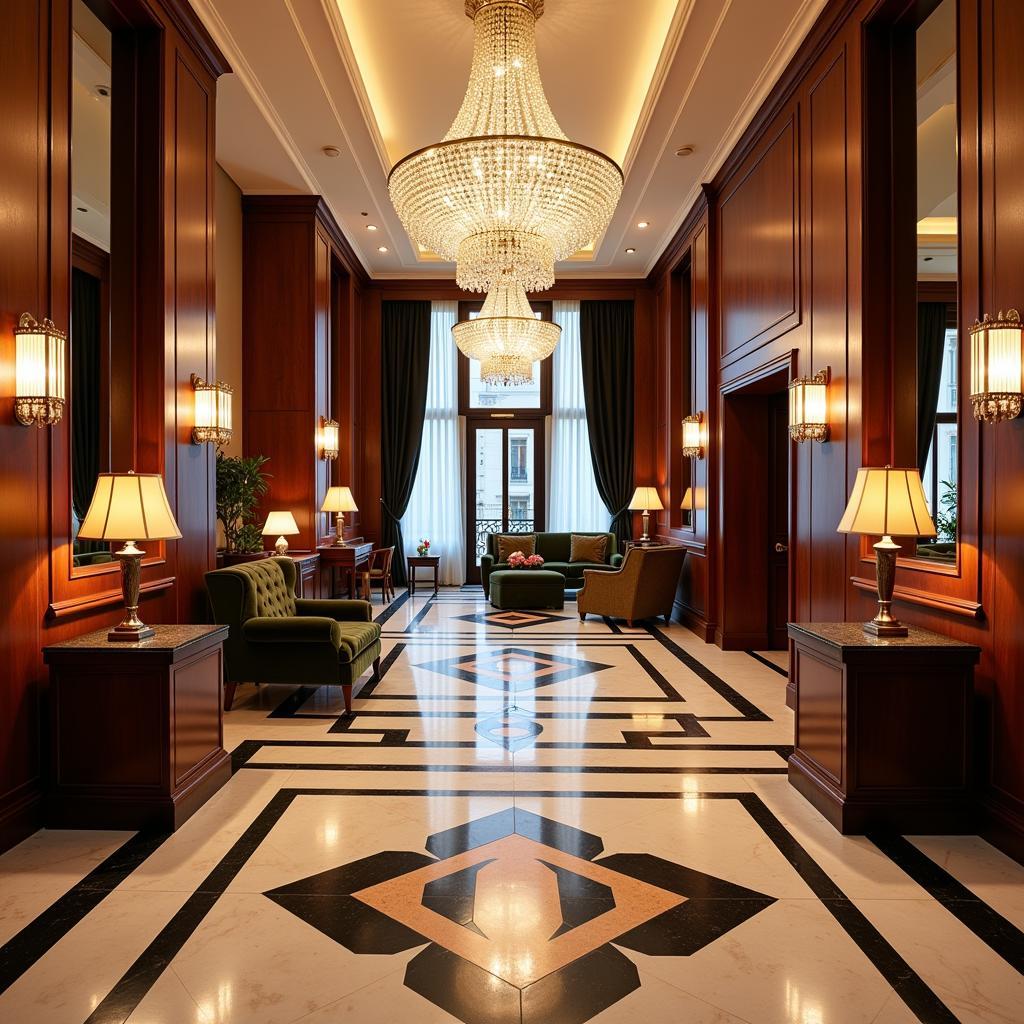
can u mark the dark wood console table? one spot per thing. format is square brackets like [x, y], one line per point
[883, 728]
[349, 558]
[414, 562]
[136, 730]
[307, 573]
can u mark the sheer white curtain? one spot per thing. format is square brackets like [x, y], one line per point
[436, 508]
[574, 502]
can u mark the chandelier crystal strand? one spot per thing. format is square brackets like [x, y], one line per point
[507, 338]
[505, 191]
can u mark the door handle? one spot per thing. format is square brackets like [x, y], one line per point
[780, 548]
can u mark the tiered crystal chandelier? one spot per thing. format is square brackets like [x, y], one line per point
[506, 337]
[505, 192]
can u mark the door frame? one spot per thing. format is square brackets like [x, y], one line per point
[503, 421]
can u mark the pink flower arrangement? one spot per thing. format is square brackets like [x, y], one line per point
[517, 560]
[423, 548]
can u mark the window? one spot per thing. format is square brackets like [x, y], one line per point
[518, 466]
[519, 508]
[940, 471]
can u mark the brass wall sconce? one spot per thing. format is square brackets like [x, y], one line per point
[39, 394]
[213, 412]
[328, 439]
[808, 407]
[997, 367]
[693, 436]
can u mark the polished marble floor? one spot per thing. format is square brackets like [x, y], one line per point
[527, 819]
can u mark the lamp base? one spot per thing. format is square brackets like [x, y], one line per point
[131, 629]
[281, 546]
[884, 624]
[339, 530]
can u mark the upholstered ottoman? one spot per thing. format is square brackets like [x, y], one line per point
[527, 588]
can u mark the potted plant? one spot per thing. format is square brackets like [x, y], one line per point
[241, 483]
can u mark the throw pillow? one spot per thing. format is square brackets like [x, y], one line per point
[588, 549]
[525, 542]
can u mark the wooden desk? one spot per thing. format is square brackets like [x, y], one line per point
[136, 732]
[883, 728]
[307, 572]
[348, 559]
[415, 562]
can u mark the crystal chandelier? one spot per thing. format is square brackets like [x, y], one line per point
[505, 192]
[506, 337]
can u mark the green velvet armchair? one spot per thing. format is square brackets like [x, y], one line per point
[645, 586]
[276, 637]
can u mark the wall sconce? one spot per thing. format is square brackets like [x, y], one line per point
[213, 412]
[693, 436]
[327, 439]
[39, 372]
[997, 378]
[808, 407]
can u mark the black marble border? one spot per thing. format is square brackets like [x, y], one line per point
[41, 934]
[133, 986]
[768, 663]
[390, 610]
[999, 934]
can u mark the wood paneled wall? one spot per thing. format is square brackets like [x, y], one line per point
[301, 288]
[798, 252]
[172, 334]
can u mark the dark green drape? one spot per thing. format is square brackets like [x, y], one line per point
[931, 336]
[405, 364]
[606, 347]
[85, 388]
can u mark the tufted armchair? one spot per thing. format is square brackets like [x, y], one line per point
[276, 637]
[645, 586]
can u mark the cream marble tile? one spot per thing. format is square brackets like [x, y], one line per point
[67, 984]
[657, 1002]
[973, 980]
[168, 1002]
[50, 861]
[252, 962]
[789, 964]
[989, 874]
[381, 1002]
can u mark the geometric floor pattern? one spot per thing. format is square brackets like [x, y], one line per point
[526, 819]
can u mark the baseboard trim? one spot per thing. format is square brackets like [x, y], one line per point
[22, 817]
[742, 641]
[693, 621]
[1002, 826]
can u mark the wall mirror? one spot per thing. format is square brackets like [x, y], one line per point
[938, 399]
[101, 409]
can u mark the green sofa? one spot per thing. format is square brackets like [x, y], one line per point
[276, 637]
[554, 548]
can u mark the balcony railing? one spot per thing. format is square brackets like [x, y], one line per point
[485, 527]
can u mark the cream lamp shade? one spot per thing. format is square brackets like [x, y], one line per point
[645, 498]
[693, 499]
[888, 502]
[282, 523]
[129, 506]
[339, 499]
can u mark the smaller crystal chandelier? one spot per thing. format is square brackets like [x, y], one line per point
[507, 338]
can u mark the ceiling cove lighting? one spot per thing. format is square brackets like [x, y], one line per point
[505, 191]
[506, 337]
[213, 412]
[38, 372]
[997, 367]
[808, 407]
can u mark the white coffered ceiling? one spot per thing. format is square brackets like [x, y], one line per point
[379, 78]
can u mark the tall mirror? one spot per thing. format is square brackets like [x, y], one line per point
[92, 367]
[938, 354]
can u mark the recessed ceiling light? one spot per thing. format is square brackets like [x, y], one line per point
[684, 150]
[331, 151]
[382, 248]
[629, 252]
[371, 227]
[81, 209]
[928, 259]
[641, 224]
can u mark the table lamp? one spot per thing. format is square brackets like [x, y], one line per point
[283, 524]
[339, 500]
[693, 501]
[644, 499]
[887, 501]
[129, 507]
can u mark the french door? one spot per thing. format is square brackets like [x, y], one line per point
[505, 482]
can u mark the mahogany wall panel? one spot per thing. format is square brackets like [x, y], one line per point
[758, 224]
[171, 310]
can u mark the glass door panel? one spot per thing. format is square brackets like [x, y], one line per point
[505, 484]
